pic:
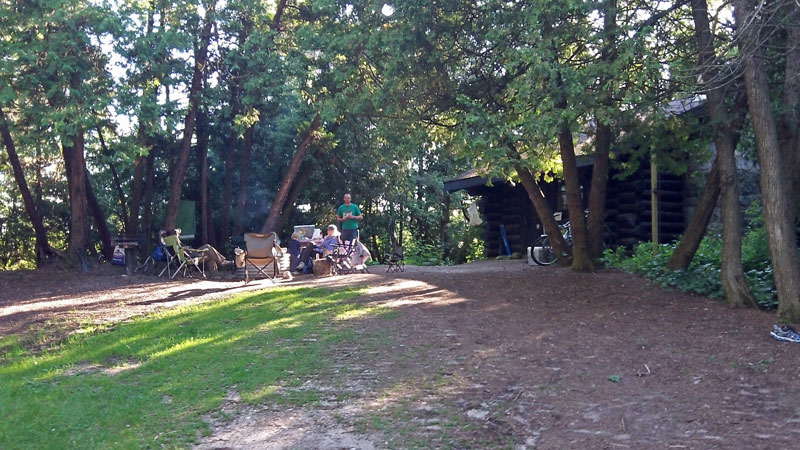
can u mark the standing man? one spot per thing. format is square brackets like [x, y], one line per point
[348, 215]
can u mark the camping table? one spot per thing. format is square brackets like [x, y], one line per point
[129, 244]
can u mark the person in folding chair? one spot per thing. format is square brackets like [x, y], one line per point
[349, 257]
[327, 246]
[181, 257]
[262, 251]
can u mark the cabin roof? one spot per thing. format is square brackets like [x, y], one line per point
[471, 178]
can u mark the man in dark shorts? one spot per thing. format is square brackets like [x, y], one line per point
[348, 215]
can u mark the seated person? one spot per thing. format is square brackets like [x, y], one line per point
[361, 255]
[327, 245]
[212, 258]
[294, 247]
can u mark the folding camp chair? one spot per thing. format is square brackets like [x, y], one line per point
[340, 257]
[395, 260]
[345, 258]
[158, 255]
[261, 252]
[170, 255]
[180, 257]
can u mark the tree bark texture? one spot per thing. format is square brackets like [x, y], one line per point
[690, 241]
[132, 227]
[581, 259]
[791, 101]
[302, 178]
[147, 213]
[775, 180]
[545, 214]
[76, 182]
[734, 283]
[291, 173]
[598, 190]
[195, 92]
[99, 218]
[206, 231]
[43, 249]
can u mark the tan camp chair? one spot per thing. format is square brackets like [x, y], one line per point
[261, 252]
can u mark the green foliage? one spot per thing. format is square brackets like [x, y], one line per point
[464, 243]
[703, 274]
[423, 254]
[151, 382]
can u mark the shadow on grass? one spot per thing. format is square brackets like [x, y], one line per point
[151, 380]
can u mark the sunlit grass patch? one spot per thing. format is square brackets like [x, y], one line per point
[10, 347]
[149, 382]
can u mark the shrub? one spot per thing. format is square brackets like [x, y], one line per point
[421, 254]
[464, 243]
[703, 274]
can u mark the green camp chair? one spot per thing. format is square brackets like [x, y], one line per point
[180, 257]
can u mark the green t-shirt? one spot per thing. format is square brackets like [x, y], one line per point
[351, 224]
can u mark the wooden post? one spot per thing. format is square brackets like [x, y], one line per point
[654, 227]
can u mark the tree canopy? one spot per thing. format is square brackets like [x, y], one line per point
[114, 111]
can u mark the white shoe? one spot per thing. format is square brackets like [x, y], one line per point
[301, 266]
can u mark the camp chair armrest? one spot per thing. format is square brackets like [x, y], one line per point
[196, 253]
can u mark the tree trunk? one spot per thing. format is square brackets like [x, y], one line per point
[76, 173]
[545, 214]
[791, 102]
[690, 241]
[734, 283]
[276, 19]
[227, 184]
[43, 249]
[147, 214]
[598, 190]
[603, 138]
[297, 187]
[99, 218]
[132, 224]
[241, 196]
[132, 228]
[206, 233]
[195, 92]
[775, 180]
[443, 224]
[288, 178]
[123, 216]
[581, 259]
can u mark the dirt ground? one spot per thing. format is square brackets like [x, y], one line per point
[489, 355]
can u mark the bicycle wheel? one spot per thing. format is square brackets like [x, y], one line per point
[545, 254]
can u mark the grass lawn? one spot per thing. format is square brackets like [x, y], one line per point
[149, 382]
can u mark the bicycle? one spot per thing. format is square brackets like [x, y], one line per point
[547, 256]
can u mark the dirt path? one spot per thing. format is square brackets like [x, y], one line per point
[502, 355]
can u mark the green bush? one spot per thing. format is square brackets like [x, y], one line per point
[703, 274]
[464, 243]
[422, 254]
